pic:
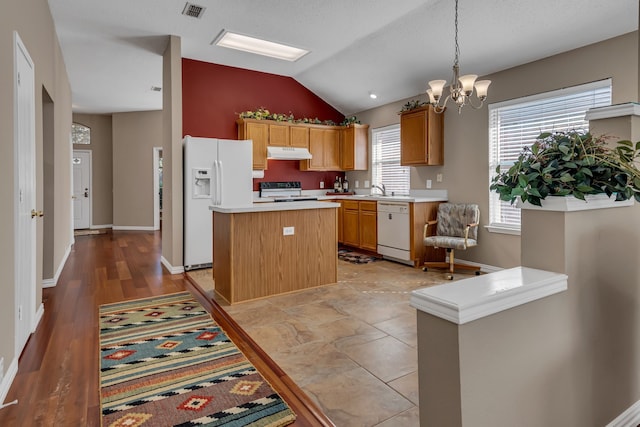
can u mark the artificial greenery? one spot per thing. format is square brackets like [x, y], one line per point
[412, 105]
[571, 163]
[350, 120]
[264, 114]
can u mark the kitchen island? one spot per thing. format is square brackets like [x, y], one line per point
[273, 248]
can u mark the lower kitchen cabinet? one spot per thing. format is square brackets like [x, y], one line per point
[359, 223]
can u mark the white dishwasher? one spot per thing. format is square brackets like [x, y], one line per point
[394, 231]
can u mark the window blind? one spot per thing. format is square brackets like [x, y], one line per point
[516, 123]
[385, 167]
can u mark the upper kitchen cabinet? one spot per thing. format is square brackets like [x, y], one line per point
[354, 147]
[258, 132]
[278, 135]
[421, 137]
[299, 136]
[324, 145]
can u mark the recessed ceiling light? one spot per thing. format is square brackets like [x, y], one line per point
[372, 95]
[259, 46]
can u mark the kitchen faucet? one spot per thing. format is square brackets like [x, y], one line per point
[380, 187]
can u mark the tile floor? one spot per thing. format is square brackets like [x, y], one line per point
[350, 346]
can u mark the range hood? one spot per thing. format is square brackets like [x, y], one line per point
[288, 153]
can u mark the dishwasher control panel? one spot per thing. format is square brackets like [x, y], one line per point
[393, 207]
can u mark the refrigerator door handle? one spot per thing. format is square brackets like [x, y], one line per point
[214, 187]
[220, 182]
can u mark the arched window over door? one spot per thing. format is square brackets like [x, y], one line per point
[80, 134]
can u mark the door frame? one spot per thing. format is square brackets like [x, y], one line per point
[25, 298]
[156, 187]
[73, 154]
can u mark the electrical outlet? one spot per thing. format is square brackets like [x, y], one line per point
[439, 177]
[321, 184]
[288, 231]
[366, 184]
[428, 183]
[357, 184]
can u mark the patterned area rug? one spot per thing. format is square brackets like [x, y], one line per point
[355, 257]
[164, 362]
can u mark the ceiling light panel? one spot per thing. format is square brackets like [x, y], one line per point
[259, 46]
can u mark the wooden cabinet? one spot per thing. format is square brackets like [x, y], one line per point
[420, 213]
[421, 137]
[278, 135]
[368, 225]
[354, 147]
[324, 145]
[258, 132]
[299, 136]
[360, 224]
[350, 223]
[333, 148]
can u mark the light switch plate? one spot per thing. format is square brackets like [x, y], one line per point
[288, 231]
[366, 184]
[357, 184]
[439, 177]
[428, 183]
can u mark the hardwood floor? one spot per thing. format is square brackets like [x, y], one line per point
[57, 380]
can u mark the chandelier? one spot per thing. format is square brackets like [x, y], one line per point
[461, 87]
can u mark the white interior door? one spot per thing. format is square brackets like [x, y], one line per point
[25, 193]
[81, 189]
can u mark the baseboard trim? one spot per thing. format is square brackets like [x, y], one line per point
[50, 283]
[132, 228]
[170, 268]
[483, 267]
[629, 418]
[39, 314]
[7, 379]
[97, 227]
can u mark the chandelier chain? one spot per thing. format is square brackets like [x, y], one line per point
[456, 36]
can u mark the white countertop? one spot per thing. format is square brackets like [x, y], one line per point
[411, 199]
[477, 297]
[273, 206]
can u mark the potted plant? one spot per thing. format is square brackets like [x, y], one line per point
[571, 163]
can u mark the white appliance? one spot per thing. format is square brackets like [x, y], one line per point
[394, 231]
[216, 172]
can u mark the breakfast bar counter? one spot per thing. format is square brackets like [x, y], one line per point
[273, 248]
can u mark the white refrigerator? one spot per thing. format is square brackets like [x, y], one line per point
[216, 172]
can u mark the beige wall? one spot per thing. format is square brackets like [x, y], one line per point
[101, 148]
[134, 136]
[172, 234]
[32, 20]
[466, 170]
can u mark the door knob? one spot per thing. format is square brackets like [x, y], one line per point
[35, 213]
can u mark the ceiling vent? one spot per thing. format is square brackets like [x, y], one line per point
[193, 10]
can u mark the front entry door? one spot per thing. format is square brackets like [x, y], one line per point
[25, 194]
[81, 189]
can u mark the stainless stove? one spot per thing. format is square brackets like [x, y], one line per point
[283, 191]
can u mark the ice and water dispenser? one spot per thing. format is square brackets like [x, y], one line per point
[201, 183]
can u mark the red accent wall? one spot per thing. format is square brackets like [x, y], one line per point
[213, 95]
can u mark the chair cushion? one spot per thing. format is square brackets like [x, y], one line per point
[449, 242]
[453, 218]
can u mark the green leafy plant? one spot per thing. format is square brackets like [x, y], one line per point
[412, 105]
[571, 163]
[349, 120]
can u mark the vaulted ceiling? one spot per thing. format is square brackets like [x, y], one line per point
[113, 49]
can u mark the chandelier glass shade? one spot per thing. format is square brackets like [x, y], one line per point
[461, 88]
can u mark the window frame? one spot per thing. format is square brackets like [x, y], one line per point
[495, 158]
[376, 179]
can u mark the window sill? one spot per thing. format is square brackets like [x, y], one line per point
[502, 229]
